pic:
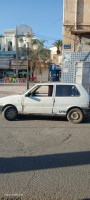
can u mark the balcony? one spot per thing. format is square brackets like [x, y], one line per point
[80, 32]
[7, 53]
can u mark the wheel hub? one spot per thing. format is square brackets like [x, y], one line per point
[11, 113]
[75, 115]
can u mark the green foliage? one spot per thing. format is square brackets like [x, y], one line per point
[36, 57]
[58, 44]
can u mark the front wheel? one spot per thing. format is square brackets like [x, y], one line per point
[10, 113]
[75, 115]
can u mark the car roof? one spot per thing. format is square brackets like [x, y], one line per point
[50, 83]
[56, 83]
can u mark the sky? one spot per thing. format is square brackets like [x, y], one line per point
[45, 17]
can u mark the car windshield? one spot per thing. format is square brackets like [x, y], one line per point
[25, 91]
[29, 90]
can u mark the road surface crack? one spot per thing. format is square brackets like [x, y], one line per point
[67, 138]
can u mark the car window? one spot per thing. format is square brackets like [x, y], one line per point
[43, 91]
[66, 91]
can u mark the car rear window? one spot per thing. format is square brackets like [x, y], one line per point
[66, 91]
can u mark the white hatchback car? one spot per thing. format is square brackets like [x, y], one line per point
[63, 99]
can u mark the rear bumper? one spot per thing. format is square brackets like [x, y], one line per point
[86, 111]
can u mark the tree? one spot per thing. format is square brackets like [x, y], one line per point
[58, 44]
[38, 56]
[35, 56]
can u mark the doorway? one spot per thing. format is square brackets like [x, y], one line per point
[58, 75]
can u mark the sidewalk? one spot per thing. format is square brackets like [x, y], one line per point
[13, 88]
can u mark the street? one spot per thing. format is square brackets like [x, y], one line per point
[43, 157]
[47, 44]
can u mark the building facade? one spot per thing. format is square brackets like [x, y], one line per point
[56, 58]
[10, 60]
[8, 44]
[56, 63]
[76, 36]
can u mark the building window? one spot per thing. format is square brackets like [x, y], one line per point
[9, 46]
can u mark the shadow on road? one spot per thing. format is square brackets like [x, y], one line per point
[49, 118]
[40, 117]
[84, 199]
[41, 162]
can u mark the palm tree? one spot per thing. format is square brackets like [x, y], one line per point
[36, 57]
[58, 44]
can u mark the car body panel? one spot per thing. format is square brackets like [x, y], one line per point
[15, 100]
[40, 104]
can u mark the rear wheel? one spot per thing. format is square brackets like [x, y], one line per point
[10, 113]
[75, 115]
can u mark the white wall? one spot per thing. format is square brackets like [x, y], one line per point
[44, 76]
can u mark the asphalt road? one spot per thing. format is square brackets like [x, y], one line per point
[44, 158]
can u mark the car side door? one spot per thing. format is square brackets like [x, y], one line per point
[66, 96]
[39, 101]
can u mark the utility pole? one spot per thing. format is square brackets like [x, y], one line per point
[16, 54]
[27, 56]
[27, 74]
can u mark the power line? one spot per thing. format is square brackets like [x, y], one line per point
[50, 25]
[46, 37]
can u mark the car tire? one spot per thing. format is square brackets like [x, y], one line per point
[10, 113]
[75, 116]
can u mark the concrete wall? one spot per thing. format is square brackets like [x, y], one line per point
[42, 74]
[69, 12]
[83, 12]
[76, 37]
[76, 16]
